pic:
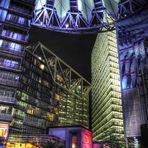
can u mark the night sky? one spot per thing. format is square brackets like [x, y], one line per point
[75, 50]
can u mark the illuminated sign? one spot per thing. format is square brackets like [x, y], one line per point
[4, 130]
[86, 139]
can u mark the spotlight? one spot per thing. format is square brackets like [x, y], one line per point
[67, 25]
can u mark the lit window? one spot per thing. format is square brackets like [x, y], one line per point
[1, 41]
[18, 47]
[21, 20]
[57, 97]
[15, 36]
[59, 78]
[12, 45]
[42, 66]
[50, 116]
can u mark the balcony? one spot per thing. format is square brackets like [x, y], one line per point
[6, 99]
[17, 125]
[9, 82]
[18, 21]
[7, 48]
[19, 116]
[23, 12]
[9, 65]
[5, 117]
[35, 124]
[18, 106]
[21, 40]
[17, 37]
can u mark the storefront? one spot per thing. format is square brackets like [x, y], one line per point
[74, 137]
[4, 127]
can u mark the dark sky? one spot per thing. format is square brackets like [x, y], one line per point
[75, 50]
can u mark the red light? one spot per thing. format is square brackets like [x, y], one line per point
[87, 139]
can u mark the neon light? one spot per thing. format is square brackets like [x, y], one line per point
[4, 130]
[87, 140]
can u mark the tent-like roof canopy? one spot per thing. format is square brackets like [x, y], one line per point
[83, 16]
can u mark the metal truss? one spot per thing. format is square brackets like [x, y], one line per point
[46, 17]
[135, 26]
[62, 74]
[130, 7]
[75, 23]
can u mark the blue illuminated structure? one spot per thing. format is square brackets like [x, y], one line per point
[83, 16]
[15, 19]
[71, 16]
[132, 36]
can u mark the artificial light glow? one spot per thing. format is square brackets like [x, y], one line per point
[42, 66]
[124, 83]
[17, 78]
[87, 140]
[59, 78]
[57, 97]
[67, 25]
[3, 130]
[40, 58]
[73, 145]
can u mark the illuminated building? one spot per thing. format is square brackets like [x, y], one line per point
[20, 90]
[37, 89]
[51, 94]
[106, 104]
[133, 59]
[15, 18]
[71, 16]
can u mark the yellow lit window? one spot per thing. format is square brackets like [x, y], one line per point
[55, 110]
[57, 97]
[50, 116]
[59, 78]
[42, 66]
[30, 111]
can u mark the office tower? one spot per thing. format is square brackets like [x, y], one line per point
[132, 46]
[106, 104]
[37, 89]
[15, 17]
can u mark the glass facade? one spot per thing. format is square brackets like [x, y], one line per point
[106, 104]
[15, 23]
[37, 89]
[133, 60]
[70, 90]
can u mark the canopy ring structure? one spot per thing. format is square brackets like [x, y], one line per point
[83, 16]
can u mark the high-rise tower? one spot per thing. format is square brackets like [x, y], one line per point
[107, 120]
[15, 18]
